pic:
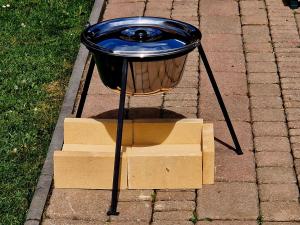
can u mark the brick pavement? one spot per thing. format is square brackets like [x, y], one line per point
[253, 47]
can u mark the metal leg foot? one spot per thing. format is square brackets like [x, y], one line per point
[238, 149]
[115, 187]
[294, 4]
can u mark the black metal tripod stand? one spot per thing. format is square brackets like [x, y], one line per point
[115, 186]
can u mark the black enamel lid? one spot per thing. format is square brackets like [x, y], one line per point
[141, 37]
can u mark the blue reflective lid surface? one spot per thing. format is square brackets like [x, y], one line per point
[141, 37]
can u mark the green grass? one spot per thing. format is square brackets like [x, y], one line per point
[39, 41]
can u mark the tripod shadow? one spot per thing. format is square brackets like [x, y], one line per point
[225, 144]
[151, 113]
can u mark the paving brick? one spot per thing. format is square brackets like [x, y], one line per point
[296, 153]
[264, 90]
[261, 67]
[172, 223]
[288, 67]
[263, 40]
[222, 42]
[278, 192]
[179, 90]
[221, 25]
[228, 83]
[280, 211]
[243, 132]
[294, 132]
[272, 144]
[294, 124]
[293, 114]
[228, 172]
[236, 105]
[266, 102]
[71, 222]
[287, 50]
[165, 5]
[217, 222]
[258, 30]
[295, 139]
[184, 12]
[291, 92]
[297, 166]
[152, 101]
[276, 175]
[182, 97]
[78, 204]
[269, 129]
[165, 206]
[289, 74]
[283, 159]
[285, 28]
[268, 114]
[264, 47]
[259, 19]
[281, 223]
[283, 21]
[132, 9]
[104, 104]
[135, 195]
[290, 83]
[219, 8]
[177, 216]
[288, 57]
[185, 111]
[260, 57]
[127, 223]
[158, 13]
[225, 62]
[175, 195]
[85, 222]
[97, 87]
[175, 103]
[133, 211]
[291, 97]
[246, 5]
[292, 104]
[228, 201]
[295, 147]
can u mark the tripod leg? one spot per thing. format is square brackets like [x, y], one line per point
[238, 149]
[115, 187]
[85, 88]
[293, 4]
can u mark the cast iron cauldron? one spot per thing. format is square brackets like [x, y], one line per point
[156, 49]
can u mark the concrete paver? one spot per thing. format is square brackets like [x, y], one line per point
[281, 211]
[271, 159]
[133, 212]
[278, 192]
[216, 222]
[228, 201]
[175, 195]
[176, 216]
[78, 204]
[276, 175]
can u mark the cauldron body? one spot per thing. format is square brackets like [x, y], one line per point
[144, 77]
[155, 48]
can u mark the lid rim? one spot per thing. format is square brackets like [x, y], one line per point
[195, 42]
